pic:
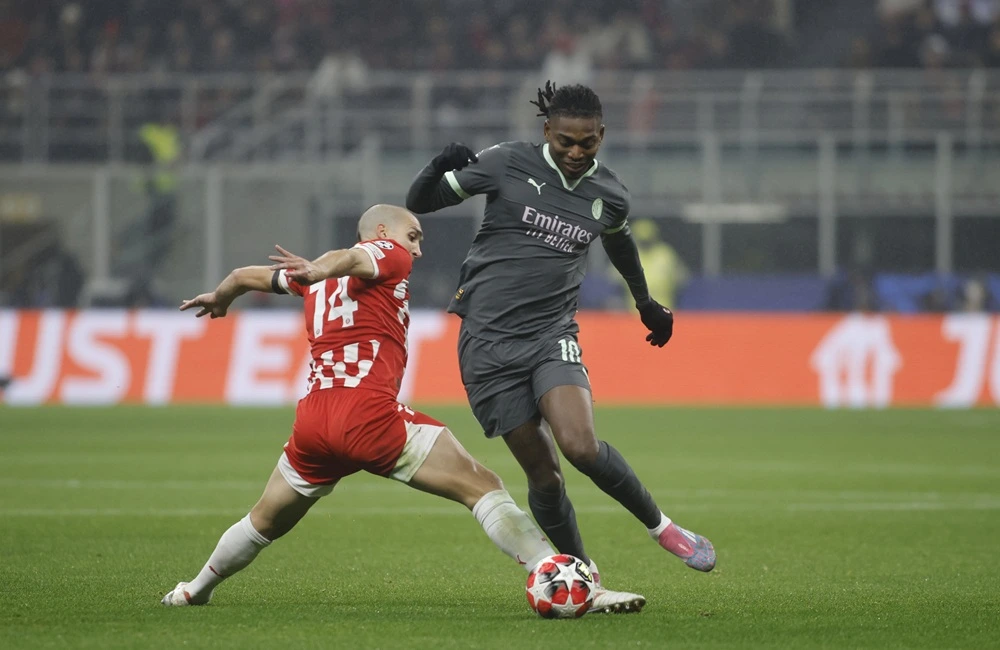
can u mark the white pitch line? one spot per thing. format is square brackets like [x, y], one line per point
[833, 468]
[54, 459]
[667, 494]
[793, 508]
[893, 507]
[137, 485]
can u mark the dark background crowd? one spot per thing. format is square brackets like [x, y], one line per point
[562, 39]
[138, 36]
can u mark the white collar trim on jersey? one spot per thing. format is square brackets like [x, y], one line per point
[568, 185]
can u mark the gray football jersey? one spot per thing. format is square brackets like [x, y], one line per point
[523, 272]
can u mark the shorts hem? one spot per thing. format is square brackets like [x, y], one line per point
[298, 483]
[420, 439]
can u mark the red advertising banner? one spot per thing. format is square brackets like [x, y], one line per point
[261, 358]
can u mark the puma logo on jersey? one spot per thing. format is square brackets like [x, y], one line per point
[531, 181]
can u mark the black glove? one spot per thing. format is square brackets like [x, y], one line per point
[454, 157]
[658, 320]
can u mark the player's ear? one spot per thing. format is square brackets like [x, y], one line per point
[600, 133]
[547, 130]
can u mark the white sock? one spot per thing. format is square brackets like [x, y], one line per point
[511, 529]
[664, 522]
[236, 549]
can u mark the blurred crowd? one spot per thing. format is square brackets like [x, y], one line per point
[931, 34]
[105, 36]
[264, 35]
[341, 40]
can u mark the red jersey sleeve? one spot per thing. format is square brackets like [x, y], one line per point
[281, 283]
[392, 261]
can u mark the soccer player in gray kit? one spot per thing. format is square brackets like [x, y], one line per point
[520, 360]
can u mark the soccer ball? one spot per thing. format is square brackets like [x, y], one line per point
[560, 586]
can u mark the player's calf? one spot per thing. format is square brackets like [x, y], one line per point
[449, 471]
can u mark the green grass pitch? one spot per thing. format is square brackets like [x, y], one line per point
[851, 529]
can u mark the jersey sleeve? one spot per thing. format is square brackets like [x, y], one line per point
[392, 262]
[483, 177]
[620, 206]
[281, 283]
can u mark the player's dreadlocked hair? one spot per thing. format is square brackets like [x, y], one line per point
[568, 101]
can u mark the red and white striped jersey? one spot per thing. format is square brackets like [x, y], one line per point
[357, 328]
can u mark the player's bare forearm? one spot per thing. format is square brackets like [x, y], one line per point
[624, 255]
[428, 193]
[247, 278]
[239, 281]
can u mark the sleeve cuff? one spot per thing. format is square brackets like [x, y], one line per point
[453, 183]
[279, 282]
[618, 228]
[366, 247]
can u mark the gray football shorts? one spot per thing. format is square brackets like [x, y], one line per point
[505, 379]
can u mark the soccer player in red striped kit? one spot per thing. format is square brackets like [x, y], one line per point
[356, 318]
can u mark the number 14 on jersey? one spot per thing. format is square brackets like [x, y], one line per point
[345, 310]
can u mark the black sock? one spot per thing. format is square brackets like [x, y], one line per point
[556, 517]
[612, 474]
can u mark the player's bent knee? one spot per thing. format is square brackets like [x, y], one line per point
[541, 468]
[279, 508]
[488, 478]
[477, 483]
[274, 525]
[581, 451]
[263, 522]
[550, 480]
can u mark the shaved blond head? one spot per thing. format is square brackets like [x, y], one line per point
[392, 217]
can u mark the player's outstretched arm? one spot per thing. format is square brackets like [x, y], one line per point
[238, 282]
[624, 254]
[427, 192]
[332, 264]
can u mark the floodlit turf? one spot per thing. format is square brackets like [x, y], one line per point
[834, 529]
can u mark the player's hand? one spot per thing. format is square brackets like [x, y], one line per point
[297, 268]
[454, 157]
[210, 303]
[659, 321]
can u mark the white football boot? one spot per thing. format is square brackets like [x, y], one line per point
[613, 602]
[179, 597]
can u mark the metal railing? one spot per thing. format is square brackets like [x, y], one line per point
[297, 117]
[715, 206]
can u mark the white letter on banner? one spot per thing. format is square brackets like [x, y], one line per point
[856, 362]
[90, 353]
[165, 331]
[972, 331]
[423, 325]
[8, 341]
[251, 356]
[995, 372]
[39, 385]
